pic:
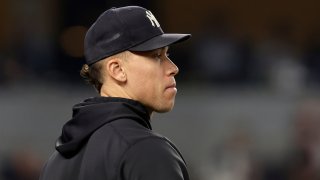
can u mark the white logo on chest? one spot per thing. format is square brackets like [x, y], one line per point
[152, 19]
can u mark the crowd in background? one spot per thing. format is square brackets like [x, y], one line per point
[214, 56]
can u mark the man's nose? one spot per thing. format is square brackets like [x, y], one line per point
[173, 69]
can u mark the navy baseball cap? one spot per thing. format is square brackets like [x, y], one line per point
[130, 28]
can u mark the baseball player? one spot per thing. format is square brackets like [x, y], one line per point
[110, 137]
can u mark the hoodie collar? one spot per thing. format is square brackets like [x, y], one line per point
[92, 114]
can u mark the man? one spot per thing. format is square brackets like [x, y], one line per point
[110, 137]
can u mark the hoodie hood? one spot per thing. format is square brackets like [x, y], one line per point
[92, 114]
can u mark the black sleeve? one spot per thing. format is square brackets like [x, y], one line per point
[153, 159]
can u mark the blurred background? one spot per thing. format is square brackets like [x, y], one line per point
[248, 105]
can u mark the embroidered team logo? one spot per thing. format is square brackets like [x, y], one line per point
[152, 19]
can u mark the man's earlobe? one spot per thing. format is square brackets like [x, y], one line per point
[115, 70]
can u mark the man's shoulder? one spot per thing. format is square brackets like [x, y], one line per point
[156, 152]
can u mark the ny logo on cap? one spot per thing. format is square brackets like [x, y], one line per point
[152, 19]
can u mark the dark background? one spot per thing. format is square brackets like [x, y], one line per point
[248, 89]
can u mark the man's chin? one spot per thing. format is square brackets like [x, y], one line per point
[164, 109]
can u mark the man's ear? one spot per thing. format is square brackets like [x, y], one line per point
[115, 69]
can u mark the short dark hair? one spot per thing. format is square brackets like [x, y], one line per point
[93, 75]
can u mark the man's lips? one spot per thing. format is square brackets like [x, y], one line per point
[173, 85]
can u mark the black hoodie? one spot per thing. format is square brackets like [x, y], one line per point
[112, 139]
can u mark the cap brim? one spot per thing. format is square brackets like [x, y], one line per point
[160, 41]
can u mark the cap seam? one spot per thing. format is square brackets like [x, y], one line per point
[122, 23]
[145, 41]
